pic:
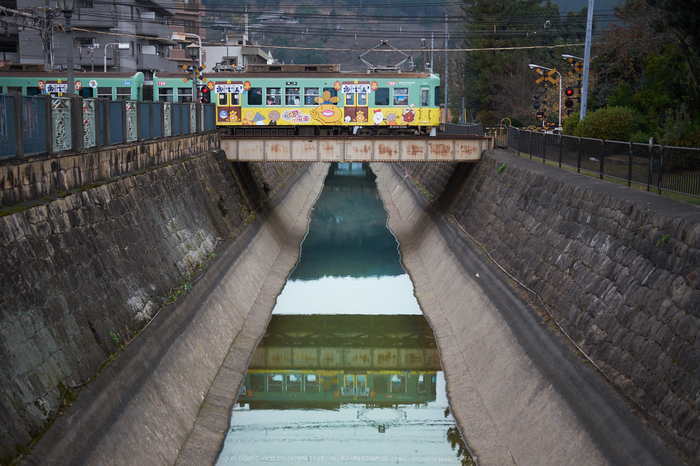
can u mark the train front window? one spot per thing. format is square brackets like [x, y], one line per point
[310, 95]
[362, 99]
[349, 99]
[274, 96]
[223, 99]
[437, 96]
[401, 96]
[255, 96]
[292, 96]
[381, 96]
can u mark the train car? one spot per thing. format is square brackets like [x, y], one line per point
[315, 99]
[264, 388]
[113, 86]
[172, 87]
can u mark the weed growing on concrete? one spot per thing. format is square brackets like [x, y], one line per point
[115, 339]
[665, 238]
[502, 168]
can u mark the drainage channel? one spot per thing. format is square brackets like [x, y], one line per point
[348, 370]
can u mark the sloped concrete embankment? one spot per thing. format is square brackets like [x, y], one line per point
[85, 273]
[619, 269]
[518, 390]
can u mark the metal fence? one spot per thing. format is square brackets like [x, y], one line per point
[664, 168]
[44, 124]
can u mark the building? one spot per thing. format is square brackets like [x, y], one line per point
[236, 54]
[128, 36]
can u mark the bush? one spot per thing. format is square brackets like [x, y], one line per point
[611, 123]
[680, 129]
[570, 124]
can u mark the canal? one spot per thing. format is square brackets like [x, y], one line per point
[348, 370]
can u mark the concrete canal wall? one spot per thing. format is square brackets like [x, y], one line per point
[618, 270]
[84, 274]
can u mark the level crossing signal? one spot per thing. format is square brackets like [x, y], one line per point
[569, 102]
[205, 92]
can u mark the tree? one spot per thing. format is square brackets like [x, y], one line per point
[306, 10]
[499, 24]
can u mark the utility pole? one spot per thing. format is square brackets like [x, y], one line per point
[446, 36]
[587, 60]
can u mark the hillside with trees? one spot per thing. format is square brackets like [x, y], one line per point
[644, 54]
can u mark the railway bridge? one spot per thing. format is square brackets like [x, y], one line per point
[442, 148]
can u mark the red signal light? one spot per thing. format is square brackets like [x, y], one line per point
[569, 92]
[206, 95]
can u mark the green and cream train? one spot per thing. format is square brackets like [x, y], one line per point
[271, 99]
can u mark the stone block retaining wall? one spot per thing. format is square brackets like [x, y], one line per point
[36, 177]
[620, 273]
[84, 273]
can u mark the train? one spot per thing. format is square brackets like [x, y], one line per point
[271, 99]
[266, 388]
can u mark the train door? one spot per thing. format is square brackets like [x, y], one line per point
[228, 102]
[424, 113]
[356, 108]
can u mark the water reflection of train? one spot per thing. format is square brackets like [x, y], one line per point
[329, 388]
[270, 99]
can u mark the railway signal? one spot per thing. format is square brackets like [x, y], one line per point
[569, 102]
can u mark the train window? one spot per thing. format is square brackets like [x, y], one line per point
[362, 99]
[33, 91]
[222, 98]
[312, 383]
[381, 96]
[165, 94]
[274, 96]
[400, 96]
[380, 383]
[292, 96]
[255, 96]
[275, 383]
[125, 93]
[106, 93]
[294, 382]
[349, 99]
[398, 384]
[437, 96]
[184, 95]
[12, 89]
[257, 382]
[424, 97]
[235, 99]
[310, 95]
[421, 384]
[331, 90]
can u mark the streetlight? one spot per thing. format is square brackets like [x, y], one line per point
[534, 67]
[193, 53]
[67, 7]
[567, 56]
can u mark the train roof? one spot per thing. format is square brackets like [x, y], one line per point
[60, 74]
[311, 71]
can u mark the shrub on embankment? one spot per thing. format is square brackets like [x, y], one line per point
[622, 278]
[81, 275]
